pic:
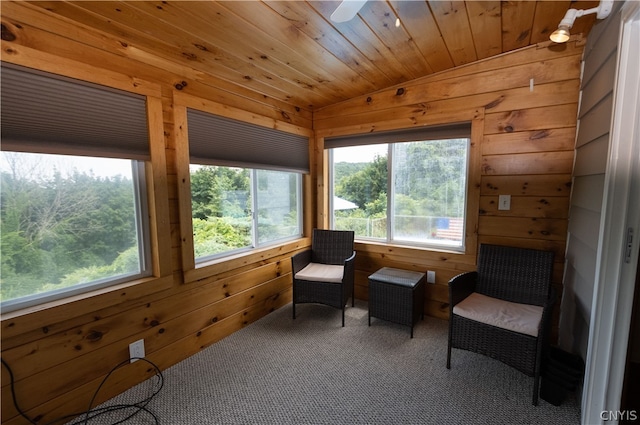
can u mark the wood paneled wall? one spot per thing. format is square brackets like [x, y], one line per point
[60, 354]
[526, 103]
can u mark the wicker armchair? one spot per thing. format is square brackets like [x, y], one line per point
[504, 309]
[325, 273]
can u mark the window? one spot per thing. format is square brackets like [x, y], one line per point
[69, 223]
[74, 214]
[246, 183]
[406, 192]
[235, 209]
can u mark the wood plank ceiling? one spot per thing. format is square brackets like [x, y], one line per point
[291, 51]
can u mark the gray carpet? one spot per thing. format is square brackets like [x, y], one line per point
[312, 371]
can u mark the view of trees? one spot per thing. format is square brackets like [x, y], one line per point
[429, 188]
[221, 205]
[59, 230]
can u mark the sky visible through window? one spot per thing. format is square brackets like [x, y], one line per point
[100, 167]
[360, 153]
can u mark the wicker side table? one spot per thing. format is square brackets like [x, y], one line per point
[397, 296]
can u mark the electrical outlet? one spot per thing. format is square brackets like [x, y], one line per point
[431, 277]
[504, 202]
[136, 349]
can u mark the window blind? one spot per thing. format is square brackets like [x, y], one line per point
[48, 113]
[413, 134]
[217, 140]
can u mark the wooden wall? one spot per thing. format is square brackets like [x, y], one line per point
[523, 143]
[59, 354]
[523, 147]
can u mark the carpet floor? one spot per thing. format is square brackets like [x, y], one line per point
[313, 371]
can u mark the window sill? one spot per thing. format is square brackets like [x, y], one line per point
[397, 246]
[425, 253]
[243, 259]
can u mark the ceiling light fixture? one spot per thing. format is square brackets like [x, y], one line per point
[347, 10]
[561, 35]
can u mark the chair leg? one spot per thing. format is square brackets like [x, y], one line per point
[536, 388]
[343, 316]
[449, 344]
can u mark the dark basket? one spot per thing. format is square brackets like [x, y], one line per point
[561, 373]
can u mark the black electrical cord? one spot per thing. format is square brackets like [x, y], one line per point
[13, 394]
[85, 416]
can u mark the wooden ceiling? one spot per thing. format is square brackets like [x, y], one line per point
[291, 51]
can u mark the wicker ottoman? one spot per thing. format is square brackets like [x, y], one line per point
[397, 296]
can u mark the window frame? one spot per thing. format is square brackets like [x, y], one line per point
[192, 272]
[142, 224]
[390, 208]
[255, 244]
[476, 117]
[159, 235]
[255, 211]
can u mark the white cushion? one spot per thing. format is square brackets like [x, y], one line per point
[521, 318]
[321, 273]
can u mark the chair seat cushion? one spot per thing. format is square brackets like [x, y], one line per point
[521, 318]
[317, 272]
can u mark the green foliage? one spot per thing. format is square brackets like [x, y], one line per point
[216, 235]
[126, 263]
[221, 209]
[428, 182]
[432, 175]
[61, 230]
[365, 185]
[220, 191]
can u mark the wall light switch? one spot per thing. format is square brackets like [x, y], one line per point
[504, 202]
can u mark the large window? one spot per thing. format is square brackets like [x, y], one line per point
[74, 214]
[69, 223]
[238, 208]
[410, 193]
[246, 183]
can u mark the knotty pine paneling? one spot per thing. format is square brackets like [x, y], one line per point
[60, 355]
[528, 185]
[526, 152]
[34, 28]
[527, 206]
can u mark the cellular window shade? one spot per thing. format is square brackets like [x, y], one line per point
[217, 140]
[48, 113]
[413, 134]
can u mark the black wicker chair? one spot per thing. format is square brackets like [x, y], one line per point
[511, 275]
[325, 273]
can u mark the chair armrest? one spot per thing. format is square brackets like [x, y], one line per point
[300, 261]
[461, 286]
[349, 266]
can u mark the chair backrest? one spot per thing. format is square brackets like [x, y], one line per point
[331, 246]
[519, 275]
